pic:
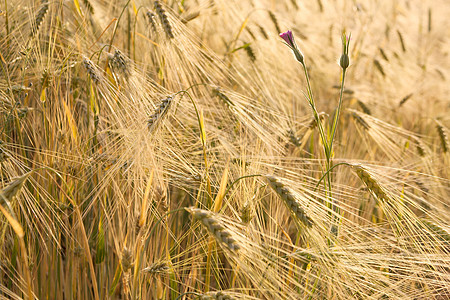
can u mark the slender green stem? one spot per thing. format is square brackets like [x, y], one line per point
[234, 182]
[328, 171]
[319, 125]
[315, 113]
[208, 181]
[336, 116]
[7, 24]
[117, 25]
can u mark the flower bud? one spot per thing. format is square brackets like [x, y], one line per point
[298, 55]
[344, 62]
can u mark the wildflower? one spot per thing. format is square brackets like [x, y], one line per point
[344, 62]
[288, 37]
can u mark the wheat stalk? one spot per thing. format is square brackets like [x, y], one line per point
[247, 212]
[274, 21]
[127, 259]
[12, 189]
[402, 42]
[217, 91]
[89, 6]
[404, 99]
[289, 199]
[250, 53]
[437, 230]
[250, 32]
[263, 32]
[296, 141]
[420, 147]
[364, 107]
[215, 227]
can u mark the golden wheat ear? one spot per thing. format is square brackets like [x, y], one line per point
[443, 136]
[215, 227]
[289, 199]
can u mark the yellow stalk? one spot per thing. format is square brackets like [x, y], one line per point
[145, 200]
[20, 233]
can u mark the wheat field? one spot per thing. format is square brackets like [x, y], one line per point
[186, 150]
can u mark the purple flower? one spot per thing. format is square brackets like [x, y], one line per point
[288, 37]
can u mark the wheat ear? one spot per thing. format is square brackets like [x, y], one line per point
[121, 63]
[360, 120]
[152, 19]
[156, 268]
[215, 227]
[443, 135]
[39, 18]
[91, 70]
[289, 199]
[159, 113]
[164, 20]
[216, 296]
[371, 183]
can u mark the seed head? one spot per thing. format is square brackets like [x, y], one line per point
[159, 113]
[216, 296]
[156, 268]
[289, 199]
[91, 70]
[215, 227]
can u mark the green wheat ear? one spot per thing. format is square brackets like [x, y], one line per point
[12, 189]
